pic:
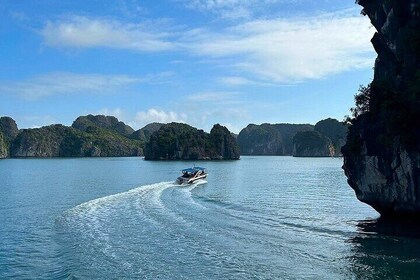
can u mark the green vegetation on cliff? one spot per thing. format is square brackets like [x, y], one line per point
[333, 129]
[269, 139]
[181, 141]
[3, 147]
[9, 128]
[224, 143]
[327, 139]
[106, 122]
[107, 143]
[47, 142]
[101, 136]
[8, 132]
[336, 131]
[382, 154]
[279, 139]
[96, 139]
[144, 133]
[312, 144]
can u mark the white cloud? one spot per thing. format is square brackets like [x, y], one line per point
[33, 121]
[229, 9]
[154, 115]
[212, 97]
[233, 118]
[65, 83]
[280, 51]
[235, 81]
[227, 108]
[290, 50]
[83, 32]
[220, 4]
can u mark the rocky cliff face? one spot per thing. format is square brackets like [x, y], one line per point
[9, 128]
[178, 141]
[382, 154]
[3, 147]
[8, 132]
[327, 139]
[336, 131]
[144, 133]
[63, 141]
[312, 144]
[42, 142]
[269, 139]
[224, 142]
[101, 121]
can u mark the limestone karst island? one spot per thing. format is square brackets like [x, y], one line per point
[210, 139]
[106, 136]
[381, 157]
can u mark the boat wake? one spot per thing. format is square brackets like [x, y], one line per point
[107, 230]
[163, 229]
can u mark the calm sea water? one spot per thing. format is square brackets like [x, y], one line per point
[256, 218]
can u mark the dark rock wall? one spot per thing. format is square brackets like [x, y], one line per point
[40, 142]
[8, 132]
[63, 141]
[106, 122]
[144, 133]
[224, 142]
[9, 128]
[178, 141]
[269, 139]
[312, 144]
[336, 131]
[382, 154]
[3, 147]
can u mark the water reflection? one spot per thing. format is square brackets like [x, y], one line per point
[385, 249]
[390, 227]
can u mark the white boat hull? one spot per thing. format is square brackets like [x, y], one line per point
[185, 181]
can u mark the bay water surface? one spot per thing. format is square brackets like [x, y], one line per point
[256, 218]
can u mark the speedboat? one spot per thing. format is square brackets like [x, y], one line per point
[191, 175]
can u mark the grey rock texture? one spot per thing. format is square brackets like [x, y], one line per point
[8, 132]
[178, 141]
[336, 131]
[312, 144]
[101, 121]
[224, 142]
[3, 147]
[40, 142]
[9, 128]
[144, 133]
[269, 139]
[382, 154]
[63, 141]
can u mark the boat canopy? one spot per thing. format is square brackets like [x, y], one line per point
[193, 169]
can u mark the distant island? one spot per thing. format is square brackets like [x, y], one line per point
[300, 140]
[178, 141]
[89, 136]
[106, 136]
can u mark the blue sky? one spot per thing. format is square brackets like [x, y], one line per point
[200, 61]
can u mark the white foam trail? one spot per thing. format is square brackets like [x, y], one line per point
[93, 213]
[90, 219]
[145, 203]
[99, 203]
[188, 194]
